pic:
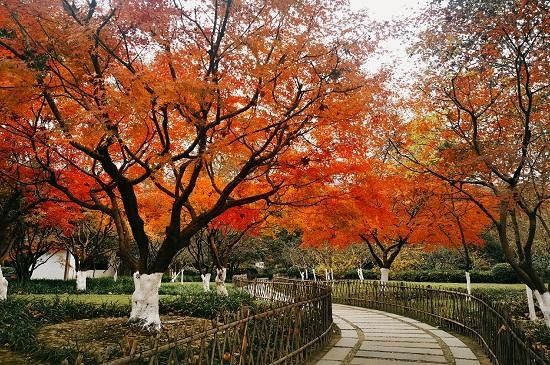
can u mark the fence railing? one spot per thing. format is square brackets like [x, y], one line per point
[297, 320]
[495, 331]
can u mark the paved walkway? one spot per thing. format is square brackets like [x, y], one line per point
[371, 337]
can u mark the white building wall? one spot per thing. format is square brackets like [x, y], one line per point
[54, 268]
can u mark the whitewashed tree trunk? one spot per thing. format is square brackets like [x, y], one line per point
[530, 303]
[468, 283]
[115, 276]
[327, 278]
[145, 300]
[544, 304]
[220, 282]
[331, 274]
[3, 286]
[307, 274]
[206, 282]
[360, 274]
[181, 277]
[174, 277]
[303, 275]
[384, 275]
[314, 275]
[81, 280]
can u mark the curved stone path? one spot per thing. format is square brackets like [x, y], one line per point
[372, 337]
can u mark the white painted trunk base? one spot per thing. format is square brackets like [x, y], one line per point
[314, 275]
[327, 277]
[384, 275]
[115, 276]
[468, 283]
[174, 276]
[145, 300]
[530, 303]
[360, 274]
[544, 304]
[3, 286]
[205, 282]
[307, 275]
[81, 280]
[303, 275]
[331, 274]
[221, 275]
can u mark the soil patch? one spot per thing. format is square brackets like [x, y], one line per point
[105, 338]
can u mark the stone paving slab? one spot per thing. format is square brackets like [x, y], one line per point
[466, 362]
[346, 342]
[337, 353]
[410, 350]
[371, 337]
[402, 356]
[463, 353]
[401, 339]
[364, 361]
[426, 345]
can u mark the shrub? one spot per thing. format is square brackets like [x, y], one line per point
[42, 286]
[482, 276]
[367, 274]
[206, 304]
[293, 272]
[438, 276]
[123, 285]
[504, 273]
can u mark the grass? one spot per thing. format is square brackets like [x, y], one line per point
[118, 299]
[125, 299]
[474, 285]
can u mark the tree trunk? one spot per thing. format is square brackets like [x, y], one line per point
[331, 274]
[3, 286]
[530, 303]
[544, 304]
[115, 276]
[174, 276]
[81, 280]
[206, 282]
[468, 283]
[145, 301]
[314, 275]
[327, 278]
[360, 274]
[384, 275]
[220, 282]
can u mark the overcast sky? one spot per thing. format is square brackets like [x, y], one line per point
[386, 10]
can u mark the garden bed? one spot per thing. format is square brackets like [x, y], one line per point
[105, 338]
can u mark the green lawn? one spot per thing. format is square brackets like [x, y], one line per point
[121, 299]
[474, 285]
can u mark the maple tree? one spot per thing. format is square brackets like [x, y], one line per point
[387, 211]
[485, 95]
[112, 100]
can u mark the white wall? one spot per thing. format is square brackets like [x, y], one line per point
[54, 268]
